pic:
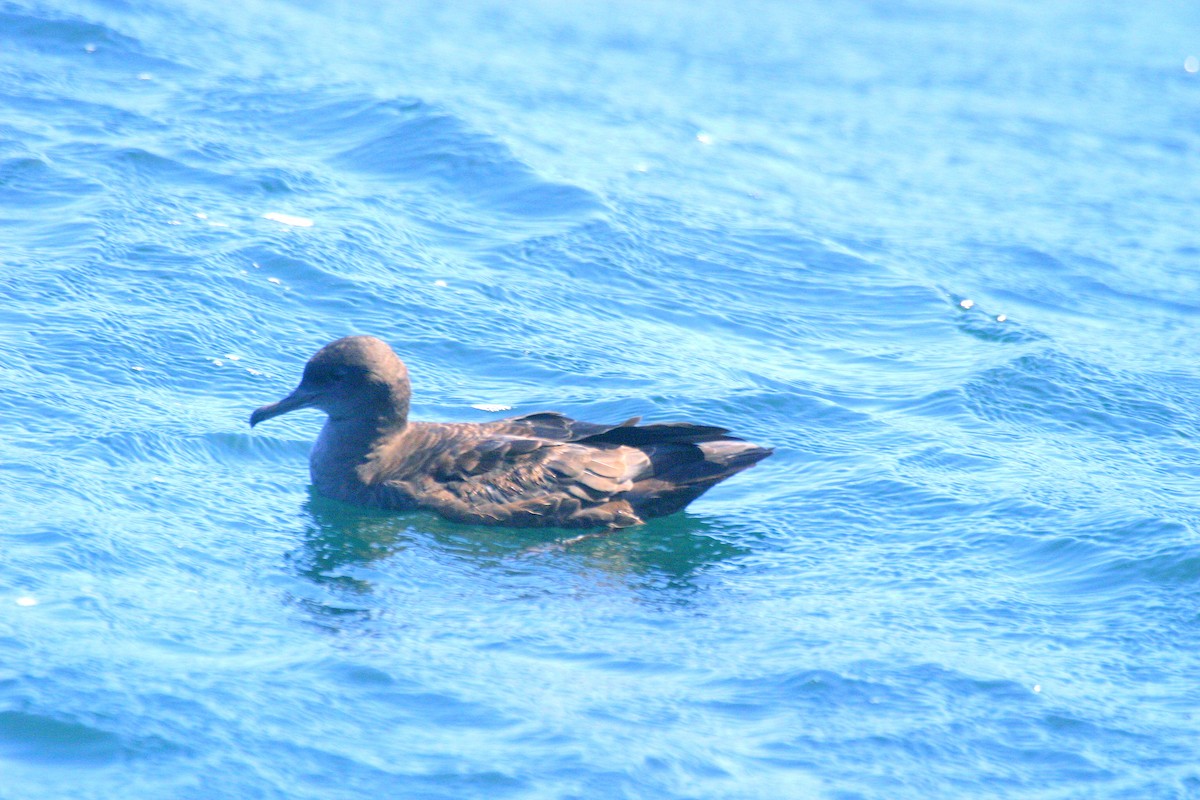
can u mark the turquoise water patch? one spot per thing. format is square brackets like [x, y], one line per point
[943, 259]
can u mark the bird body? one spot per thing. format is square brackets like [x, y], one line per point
[537, 470]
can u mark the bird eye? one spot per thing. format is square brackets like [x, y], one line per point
[326, 375]
[320, 377]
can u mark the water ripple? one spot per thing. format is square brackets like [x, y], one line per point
[950, 282]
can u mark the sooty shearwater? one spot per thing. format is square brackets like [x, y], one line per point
[541, 469]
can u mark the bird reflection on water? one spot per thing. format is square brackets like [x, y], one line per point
[346, 549]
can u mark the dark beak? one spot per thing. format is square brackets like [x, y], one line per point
[300, 398]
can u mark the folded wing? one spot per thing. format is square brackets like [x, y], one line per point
[548, 469]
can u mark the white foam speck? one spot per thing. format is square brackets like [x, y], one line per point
[288, 219]
[1192, 64]
[967, 303]
[275, 281]
[704, 138]
[138, 369]
[201, 215]
[233, 357]
[27, 601]
[441, 283]
[145, 76]
[1037, 688]
[1002, 318]
[491, 407]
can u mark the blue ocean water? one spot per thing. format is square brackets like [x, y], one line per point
[942, 256]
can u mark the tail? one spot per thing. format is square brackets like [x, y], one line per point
[686, 460]
[683, 472]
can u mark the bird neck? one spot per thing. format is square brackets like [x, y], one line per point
[346, 443]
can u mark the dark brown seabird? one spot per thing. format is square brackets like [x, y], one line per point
[537, 470]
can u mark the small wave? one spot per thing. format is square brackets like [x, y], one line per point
[1052, 390]
[36, 737]
[49, 33]
[1077, 286]
[31, 182]
[435, 148]
[67, 35]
